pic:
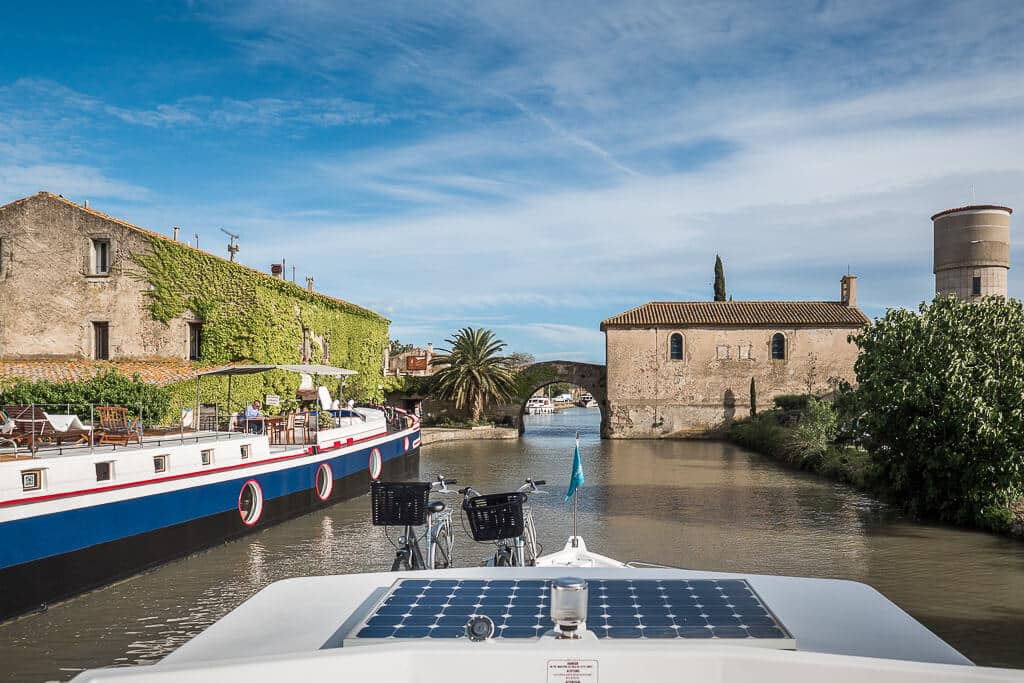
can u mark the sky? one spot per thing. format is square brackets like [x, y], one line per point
[531, 167]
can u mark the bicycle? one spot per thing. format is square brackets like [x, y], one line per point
[506, 520]
[408, 505]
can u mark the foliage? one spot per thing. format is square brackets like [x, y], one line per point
[792, 401]
[809, 440]
[528, 379]
[719, 279]
[252, 317]
[396, 347]
[108, 387]
[940, 398]
[764, 434]
[475, 374]
[753, 396]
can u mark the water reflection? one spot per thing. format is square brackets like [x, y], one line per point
[692, 504]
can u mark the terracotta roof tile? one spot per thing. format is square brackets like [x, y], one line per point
[156, 371]
[973, 207]
[739, 313]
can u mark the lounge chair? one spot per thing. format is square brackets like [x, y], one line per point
[116, 428]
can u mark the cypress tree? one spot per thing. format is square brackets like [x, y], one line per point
[753, 397]
[719, 279]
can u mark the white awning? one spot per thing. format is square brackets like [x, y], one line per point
[321, 370]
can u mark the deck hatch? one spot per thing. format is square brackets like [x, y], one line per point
[715, 609]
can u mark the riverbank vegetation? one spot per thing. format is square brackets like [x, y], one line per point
[936, 422]
[473, 372]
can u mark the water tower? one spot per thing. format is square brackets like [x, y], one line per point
[972, 250]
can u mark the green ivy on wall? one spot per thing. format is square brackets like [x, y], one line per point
[250, 317]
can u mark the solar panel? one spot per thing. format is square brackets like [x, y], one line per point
[716, 609]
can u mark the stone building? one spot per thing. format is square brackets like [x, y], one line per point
[972, 250]
[684, 367]
[79, 284]
[414, 362]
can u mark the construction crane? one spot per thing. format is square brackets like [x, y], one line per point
[232, 243]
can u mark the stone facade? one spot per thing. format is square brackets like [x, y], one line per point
[719, 348]
[57, 281]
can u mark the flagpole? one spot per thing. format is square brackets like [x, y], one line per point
[575, 495]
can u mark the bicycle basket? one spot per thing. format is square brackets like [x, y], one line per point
[399, 504]
[497, 516]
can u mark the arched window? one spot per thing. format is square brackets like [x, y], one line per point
[778, 346]
[675, 347]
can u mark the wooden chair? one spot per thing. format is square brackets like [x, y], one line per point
[299, 426]
[116, 428]
[282, 428]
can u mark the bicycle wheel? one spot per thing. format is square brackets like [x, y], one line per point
[444, 543]
[529, 541]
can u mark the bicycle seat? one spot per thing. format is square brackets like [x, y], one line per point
[435, 506]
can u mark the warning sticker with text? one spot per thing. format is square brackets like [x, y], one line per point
[572, 671]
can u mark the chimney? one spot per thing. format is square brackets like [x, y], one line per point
[86, 204]
[176, 229]
[309, 283]
[848, 290]
[277, 270]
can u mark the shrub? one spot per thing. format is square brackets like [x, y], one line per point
[108, 387]
[940, 398]
[807, 443]
[792, 401]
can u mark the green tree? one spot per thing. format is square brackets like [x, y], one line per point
[475, 372]
[396, 347]
[940, 404]
[753, 397]
[719, 279]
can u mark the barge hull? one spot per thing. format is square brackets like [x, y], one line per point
[31, 586]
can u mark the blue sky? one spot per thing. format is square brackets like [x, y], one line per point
[532, 167]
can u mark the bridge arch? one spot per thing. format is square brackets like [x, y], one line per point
[590, 376]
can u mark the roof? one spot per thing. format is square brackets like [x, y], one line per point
[739, 313]
[152, 371]
[973, 207]
[310, 369]
[157, 235]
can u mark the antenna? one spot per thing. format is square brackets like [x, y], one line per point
[197, 239]
[974, 199]
[232, 243]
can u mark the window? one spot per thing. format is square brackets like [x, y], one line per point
[976, 286]
[103, 471]
[159, 463]
[195, 340]
[245, 452]
[101, 257]
[778, 346]
[723, 352]
[207, 457]
[675, 347]
[101, 340]
[744, 351]
[31, 480]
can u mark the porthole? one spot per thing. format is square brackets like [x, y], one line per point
[376, 464]
[250, 502]
[324, 481]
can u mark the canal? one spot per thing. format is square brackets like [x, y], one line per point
[701, 505]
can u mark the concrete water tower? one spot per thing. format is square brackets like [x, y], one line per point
[972, 250]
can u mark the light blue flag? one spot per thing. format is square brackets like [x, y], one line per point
[577, 473]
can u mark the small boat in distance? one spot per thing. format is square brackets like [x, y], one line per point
[586, 401]
[539, 405]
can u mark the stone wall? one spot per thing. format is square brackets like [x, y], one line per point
[50, 296]
[651, 396]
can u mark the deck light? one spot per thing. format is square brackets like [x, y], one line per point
[568, 605]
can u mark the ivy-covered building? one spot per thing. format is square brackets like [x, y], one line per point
[78, 284]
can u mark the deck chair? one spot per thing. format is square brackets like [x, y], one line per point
[116, 428]
[280, 430]
[300, 422]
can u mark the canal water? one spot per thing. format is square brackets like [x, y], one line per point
[700, 505]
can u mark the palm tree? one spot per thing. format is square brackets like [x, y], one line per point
[475, 373]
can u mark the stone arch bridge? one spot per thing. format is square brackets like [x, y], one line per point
[592, 377]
